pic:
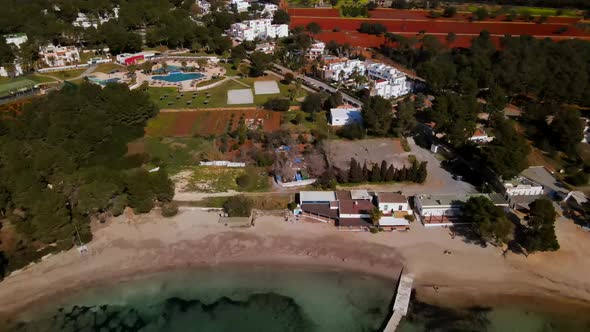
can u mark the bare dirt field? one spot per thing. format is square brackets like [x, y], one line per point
[370, 151]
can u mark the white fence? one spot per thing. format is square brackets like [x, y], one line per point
[293, 184]
[62, 68]
[222, 163]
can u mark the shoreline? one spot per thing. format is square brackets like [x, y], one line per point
[137, 247]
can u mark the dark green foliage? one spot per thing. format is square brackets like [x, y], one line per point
[259, 63]
[566, 130]
[281, 17]
[352, 131]
[312, 103]
[540, 230]
[378, 116]
[376, 174]
[169, 209]
[355, 172]
[405, 118]
[244, 181]
[489, 222]
[238, 206]
[456, 116]
[372, 28]
[277, 104]
[579, 178]
[480, 14]
[313, 28]
[334, 100]
[139, 191]
[263, 159]
[327, 181]
[449, 11]
[161, 185]
[507, 154]
[354, 11]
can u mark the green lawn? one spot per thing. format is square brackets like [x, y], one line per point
[178, 153]
[66, 74]
[41, 79]
[109, 67]
[304, 127]
[536, 11]
[168, 97]
[223, 179]
[12, 85]
[230, 70]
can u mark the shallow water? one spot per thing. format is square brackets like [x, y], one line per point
[262, 298]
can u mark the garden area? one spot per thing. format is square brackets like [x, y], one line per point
[223, 179]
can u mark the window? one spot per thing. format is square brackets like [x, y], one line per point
[400, 208]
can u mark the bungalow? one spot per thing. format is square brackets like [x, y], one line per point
[354, 210]
[319, 205]
[338, 69]
[344, 115]
[480, 136]
[316, 50]
[395, 208]
[58, 56]
[445, 210]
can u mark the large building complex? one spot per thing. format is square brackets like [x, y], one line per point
[337, 69]
[17, 40]
[261, 28]
[389, 82]
[351, 210]
[316, 50]
[444, 210]
[58, 56]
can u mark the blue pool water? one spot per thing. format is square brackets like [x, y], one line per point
[178, 77]
[104, 82]
[169, 68]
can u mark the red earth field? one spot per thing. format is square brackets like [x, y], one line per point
[204, 123]
[412, 22]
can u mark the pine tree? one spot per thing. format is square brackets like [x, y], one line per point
[422, 172]
[403, 174]
[383, 170]
[376, 173]
[413, 172]
[356, 173]
[397, 175]
[390, 174]
[365, 173]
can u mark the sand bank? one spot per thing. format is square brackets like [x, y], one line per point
[127, 248]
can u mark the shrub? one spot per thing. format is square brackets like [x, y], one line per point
[409, 218]
[289, 77]
[277, 104]
[238, 206]
[352, 131]
[291, 206]
[244, 181]
[578, 179]
[169, 209]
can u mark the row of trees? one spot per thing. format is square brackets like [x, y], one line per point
[491, 224]
[63, 161]
[379, 119]
[417, 172]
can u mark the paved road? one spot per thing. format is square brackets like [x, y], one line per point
[319, 84]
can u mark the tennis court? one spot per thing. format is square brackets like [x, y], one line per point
[15, 85]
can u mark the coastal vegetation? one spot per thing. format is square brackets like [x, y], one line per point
[489, 222]
[63, 162]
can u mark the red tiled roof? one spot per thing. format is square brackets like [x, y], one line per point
[390, 197]
[354, 222]
[479, 133]
[356, 207]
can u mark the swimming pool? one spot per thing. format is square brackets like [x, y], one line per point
[169, 68]
[178, 77]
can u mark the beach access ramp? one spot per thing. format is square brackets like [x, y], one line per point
[402, 302]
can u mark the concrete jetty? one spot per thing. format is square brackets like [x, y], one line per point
[402, 302]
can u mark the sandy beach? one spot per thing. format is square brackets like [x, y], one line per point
[129, 247]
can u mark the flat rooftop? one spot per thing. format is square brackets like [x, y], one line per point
[447, 200]
[317, 196]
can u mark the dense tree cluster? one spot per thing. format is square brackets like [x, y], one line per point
[238, 206]
[489, 222]
[417, 172]
[507, 154]
[63, 160]
[380, 119]
[372, 28]
[354, 11]
[539, 234]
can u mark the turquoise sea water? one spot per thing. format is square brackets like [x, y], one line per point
[178, 77]
[260, 298]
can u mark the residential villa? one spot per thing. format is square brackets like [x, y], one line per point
[204, 6]
[128, 59]
[345, 115]
[351, 210]
[17, 40]
[268, 48]
[58, 56]
[480, 136]
[269, 10]
[520, 192]
[316, 50]
[240, 5]
[339, 69]
[85, 22]
[389, 82]
[261, 28]
[445, 210]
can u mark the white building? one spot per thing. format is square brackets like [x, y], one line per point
[389, 82]
[128, 59]
[85, 22]
[240, 5]
[204, 6]
[391, 203]
[57, 56]
[522, 186]
[268, 48]
[344, 115]
[338, 69]
[316, 50]
[17, 39]
[444, 210]
[261, 28]
[269, 10]
[480, 136]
